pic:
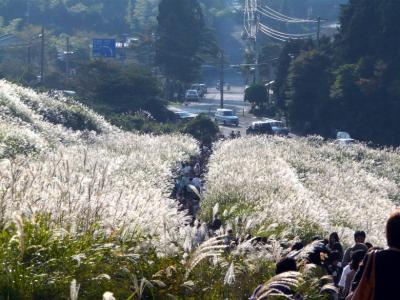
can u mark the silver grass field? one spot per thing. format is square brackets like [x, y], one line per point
[86, 213]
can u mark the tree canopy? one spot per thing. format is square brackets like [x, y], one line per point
[350, 84]
[181, 31]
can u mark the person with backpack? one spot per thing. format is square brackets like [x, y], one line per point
[380, 270]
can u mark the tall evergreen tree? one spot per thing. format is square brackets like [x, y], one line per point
[180, 37]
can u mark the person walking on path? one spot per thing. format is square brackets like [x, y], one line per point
[378, 276]
[359, 239]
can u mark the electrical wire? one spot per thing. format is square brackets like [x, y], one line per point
[287, 34]
[268, 15]
[274, 12]
[283, 19]
[272, 36]
[266, 29]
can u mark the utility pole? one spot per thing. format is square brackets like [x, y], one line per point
[318, 29]
[29, 56]
[42, 56]
[28, 11]
[67, 58]
[255, 74]
[221, 77]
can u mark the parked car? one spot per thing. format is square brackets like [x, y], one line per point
[198, 88]
[184, 115]
[226, 117]
[259, 127]
[66, 93]
[343, 138]
[277, 127]
[192, 95]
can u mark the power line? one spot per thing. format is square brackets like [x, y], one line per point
[253, 12]
[266, 31]
[291, 35]
[268, 15]
[278, 14]
[271, 35]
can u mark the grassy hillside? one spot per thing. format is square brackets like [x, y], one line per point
[85, 207]
[306, 186]
[69, 179]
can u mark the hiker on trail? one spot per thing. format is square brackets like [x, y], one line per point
[334, 244]
[197, 169]
[334, 266]
[379, 273]
[350, 271]
[359, 239]
[196, 182]
[187, 169]
[182, 183]
[285, 265]
[229, 239]
[216, 223]
[192, 198]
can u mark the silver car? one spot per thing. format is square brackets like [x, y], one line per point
[184, 115]
[226, 117]
[192, 95]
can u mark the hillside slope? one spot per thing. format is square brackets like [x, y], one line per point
[76, 167]
[305, 185]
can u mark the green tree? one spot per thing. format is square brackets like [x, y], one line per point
[144, 14]
[119, 89]
[267, 59]
[202, 128]
[257, 95]
[308, 93]
[290, 51]
[351, 84]
[346, 98]
[180, 36]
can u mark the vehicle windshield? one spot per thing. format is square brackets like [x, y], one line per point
[227, 113]
[262, 126]
[183, 114]
[276, 124]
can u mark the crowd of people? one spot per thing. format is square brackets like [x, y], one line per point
[188, 187]
[361, 272]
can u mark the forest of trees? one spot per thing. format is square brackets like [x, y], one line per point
[170, 39]
[351, 82]
[348, 82]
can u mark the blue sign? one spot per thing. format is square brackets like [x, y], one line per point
[104, 48]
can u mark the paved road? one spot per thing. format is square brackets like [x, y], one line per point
[233, 99]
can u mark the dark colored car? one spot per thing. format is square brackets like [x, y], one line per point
[259, 128]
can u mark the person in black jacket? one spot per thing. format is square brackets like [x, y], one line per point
[387, 263]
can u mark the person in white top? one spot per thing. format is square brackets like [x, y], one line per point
[350, 271]
[196, 181]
